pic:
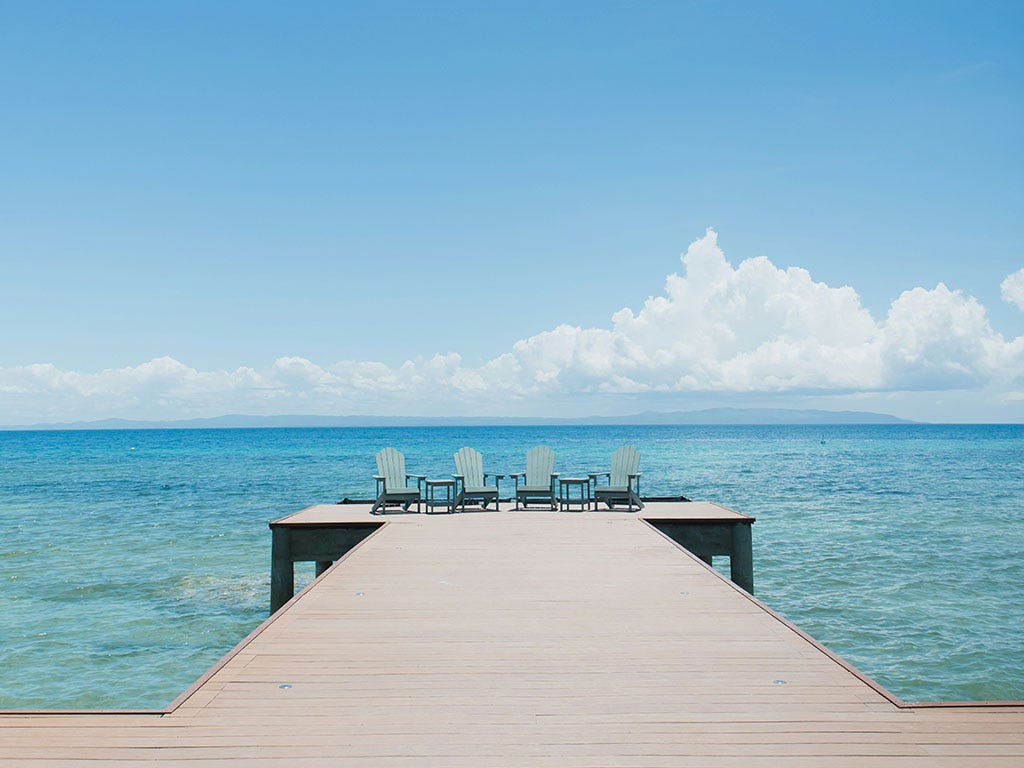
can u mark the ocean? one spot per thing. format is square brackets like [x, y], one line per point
[131, 560]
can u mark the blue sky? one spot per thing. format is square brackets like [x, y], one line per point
[365, 208]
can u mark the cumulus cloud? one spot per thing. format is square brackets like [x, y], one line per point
[715, 328]
[1013, 288]
[759, 328]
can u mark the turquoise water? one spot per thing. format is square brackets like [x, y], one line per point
[130, 561]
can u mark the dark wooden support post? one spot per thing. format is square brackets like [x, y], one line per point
[707, 538]
[741, 562]
[323, 544]
[282, 568]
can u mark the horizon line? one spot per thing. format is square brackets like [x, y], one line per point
[721, 416]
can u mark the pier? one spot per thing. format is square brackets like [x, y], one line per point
[325, 532]
[524, 639]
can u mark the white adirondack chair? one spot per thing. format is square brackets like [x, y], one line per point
[623, 480]
[393, 483]
[471, 480]
[539, 478]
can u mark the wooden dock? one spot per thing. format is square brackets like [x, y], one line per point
[325, 532]
[524, 639]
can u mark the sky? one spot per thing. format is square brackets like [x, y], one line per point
[527, 209]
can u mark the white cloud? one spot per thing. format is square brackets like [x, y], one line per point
[716, 328]
[941, 339]
[1013, 288]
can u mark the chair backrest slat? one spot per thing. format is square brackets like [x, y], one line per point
[470, 464]
[540, 465]
[391, 466]
[625, 462]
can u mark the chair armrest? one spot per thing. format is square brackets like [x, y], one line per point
[517, 474]
[418, 477]
[378, 477]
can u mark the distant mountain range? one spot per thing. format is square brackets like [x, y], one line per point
[708, 416]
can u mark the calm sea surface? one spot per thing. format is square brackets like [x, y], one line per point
[130, 561]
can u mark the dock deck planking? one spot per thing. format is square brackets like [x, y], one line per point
[525, 639]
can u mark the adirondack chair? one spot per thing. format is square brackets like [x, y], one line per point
[471, 480]
[539, 478]
[623, 480]
[393, 483]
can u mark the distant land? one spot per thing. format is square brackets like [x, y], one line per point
[708, 416]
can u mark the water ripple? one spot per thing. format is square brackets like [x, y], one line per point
[132, 560]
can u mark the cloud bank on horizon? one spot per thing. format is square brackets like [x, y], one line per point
[753, 329]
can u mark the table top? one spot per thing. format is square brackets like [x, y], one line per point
[440, 482]
[573, 480]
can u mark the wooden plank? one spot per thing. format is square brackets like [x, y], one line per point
[391, 466]
[547, 639]
[469, 464]
[673, 510]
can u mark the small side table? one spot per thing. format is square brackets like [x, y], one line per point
[573, 491]
[433, 500]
